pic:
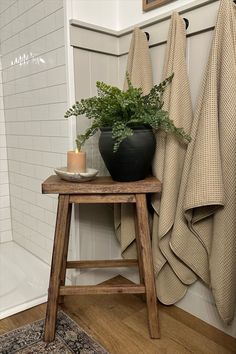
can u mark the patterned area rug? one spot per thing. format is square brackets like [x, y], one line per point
[70, 338]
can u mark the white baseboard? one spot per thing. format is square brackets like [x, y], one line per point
[200, 304]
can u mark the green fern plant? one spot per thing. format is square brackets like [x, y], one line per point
[122, 110]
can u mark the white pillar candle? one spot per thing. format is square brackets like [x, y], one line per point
[76, 161]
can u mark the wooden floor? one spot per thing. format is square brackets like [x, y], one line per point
[119, 323]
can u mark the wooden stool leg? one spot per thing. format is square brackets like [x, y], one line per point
[57, 258]
[139, 255]
[148, 271]
[65, 253]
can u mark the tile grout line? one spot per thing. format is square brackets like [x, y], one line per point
[36, 89]
[13, 19]
[45, 35]
[8, 8]
[36, 105]
[25, 28]
[40, 54]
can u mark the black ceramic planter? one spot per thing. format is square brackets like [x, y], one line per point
[133, 159]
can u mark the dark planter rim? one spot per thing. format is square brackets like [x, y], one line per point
[135, 127]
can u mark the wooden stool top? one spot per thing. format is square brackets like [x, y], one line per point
[100, 185]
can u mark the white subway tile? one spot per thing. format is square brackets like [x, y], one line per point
[14, 166]
[10, 88]
[55, 39]
[15, 128]
[37, 212]
[32, 128]
[52, 6]
[2, 140]
[59, 144]
[1, 103]
[6, 236]
[57, 111]
[25, 142]
[42, 172]
[10, 115]
[55, 128]
[4, 189]
[4, 202]
[33, 184]
[20, 204]
[41, 143]
[12, 142]
[34, 157]
[38, 80]
[56, 76]
[50, 217]
[2, 128]
[5, 225]
[51, 159]
[4, 178]
[63, 159]
[17, 215]
[3, 166]
[5, 213]
[1, 115]
[16, 191]
[45, 202]
[23, 114]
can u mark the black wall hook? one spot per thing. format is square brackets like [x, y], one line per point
[186, 25]
[147, 35]
[187, 22]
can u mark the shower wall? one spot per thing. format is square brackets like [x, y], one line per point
[5, 212]
[35, 99]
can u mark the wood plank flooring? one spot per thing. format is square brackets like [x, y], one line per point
[119, 323]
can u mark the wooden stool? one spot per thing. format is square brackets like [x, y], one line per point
[101, 190]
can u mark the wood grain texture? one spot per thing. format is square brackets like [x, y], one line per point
[101, 190]
[103, 198]
[100, 185]
[147, 263]
[120, 325]
[65, 251]
[60, 241]
[102, 289]
[152, 4]
[102, 264]
[139, 248]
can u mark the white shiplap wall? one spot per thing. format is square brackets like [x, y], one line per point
[35, 99]
[96, 230]
[5, 212]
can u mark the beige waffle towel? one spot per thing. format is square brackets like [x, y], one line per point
[208, 191]
[140, 72]
[168, 167]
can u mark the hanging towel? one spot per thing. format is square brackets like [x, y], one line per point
[139, 68]
[208, 193]
[168, 166]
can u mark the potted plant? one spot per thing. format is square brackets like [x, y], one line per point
[127, 120]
